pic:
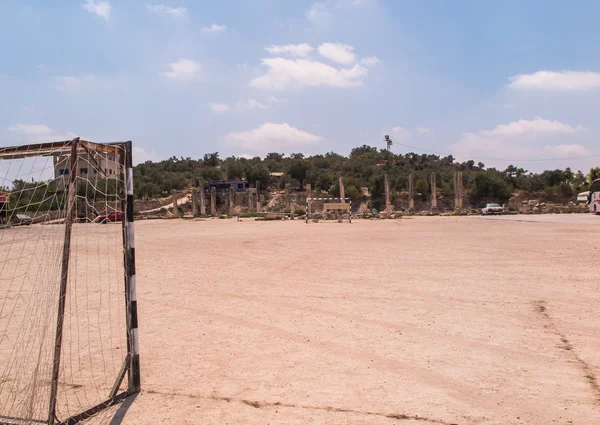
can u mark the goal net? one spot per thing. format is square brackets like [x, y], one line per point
[328, 209]
[68, 313]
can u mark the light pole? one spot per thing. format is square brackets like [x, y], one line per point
[388, 199]
[388, 143]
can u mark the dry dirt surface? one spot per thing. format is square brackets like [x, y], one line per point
[440, 320]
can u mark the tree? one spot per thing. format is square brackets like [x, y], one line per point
[422, 189]
[234, 167]
[256, 171]
[593, 175]
[212, 159]
[489, 187]
[298, 170]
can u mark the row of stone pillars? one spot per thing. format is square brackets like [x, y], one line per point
[199, 200]
[458, 192]
[199, 207]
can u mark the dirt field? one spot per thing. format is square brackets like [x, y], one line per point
[420, 321]
[437, 320]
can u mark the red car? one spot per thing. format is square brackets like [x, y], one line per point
[109, 218]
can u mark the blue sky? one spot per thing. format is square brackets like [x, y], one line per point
[501, 82]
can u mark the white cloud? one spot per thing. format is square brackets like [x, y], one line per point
[31, 129]
[251, 104]
[370, 61]
[39, 133]
[317, 12]
[272, 136]
[100, 8]
[275, 100]
[424, 130]
[557, 81]
[566, 151]
[337, 52]
[521, 140]
[69, 135]
[398, 130]
[162, 9]
[29, 108]
[141, 155]
[75, 83]
[183, 68]
[536, 126]
[219, 107]
[214, 28]
[300, 50]
[298, 73]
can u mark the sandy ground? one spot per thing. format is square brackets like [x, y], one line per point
[430, 320]
[420, 321]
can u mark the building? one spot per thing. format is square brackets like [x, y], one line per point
[222, 186]
[92, 166]
[4, 197]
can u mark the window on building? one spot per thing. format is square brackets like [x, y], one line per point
[63, 171]
[83, 171]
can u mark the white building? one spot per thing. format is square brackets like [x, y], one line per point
[94, 166]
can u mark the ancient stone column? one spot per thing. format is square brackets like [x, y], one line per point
[213, 201]
[201, 199]
[411, 193]
[175, 208]
[231, 199]
[460, 190]
[195, 202]
[308, 196]
[257, 195]
[342, 191]
[388, 201]
[250, 199]
[288, 196]
[433, 193]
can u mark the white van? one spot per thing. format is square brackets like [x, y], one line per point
[594, 197]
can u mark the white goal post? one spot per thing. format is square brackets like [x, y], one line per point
[339, 209]
[68, 305]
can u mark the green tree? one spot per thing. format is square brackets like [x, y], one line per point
[489, 187]
[212, 159]
[422, 189]
[593, 175]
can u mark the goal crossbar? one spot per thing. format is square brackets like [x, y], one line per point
[51, 148]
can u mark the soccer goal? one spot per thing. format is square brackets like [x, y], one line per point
[68, 309]
[328, 209]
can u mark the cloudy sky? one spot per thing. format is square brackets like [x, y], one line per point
[501, 82]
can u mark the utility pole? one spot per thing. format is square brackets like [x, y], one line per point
[388, 144]
[388, 200]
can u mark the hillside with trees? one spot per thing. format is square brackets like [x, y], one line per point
[363, 172]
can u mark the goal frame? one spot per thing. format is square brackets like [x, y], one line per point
[130, 369]
[347, 202]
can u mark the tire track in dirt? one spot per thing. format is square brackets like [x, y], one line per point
[566, 345]
[453, 387]
[268, 404]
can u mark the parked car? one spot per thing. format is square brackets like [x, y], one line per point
[109, 218]
[492, 209]
[21, 220]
